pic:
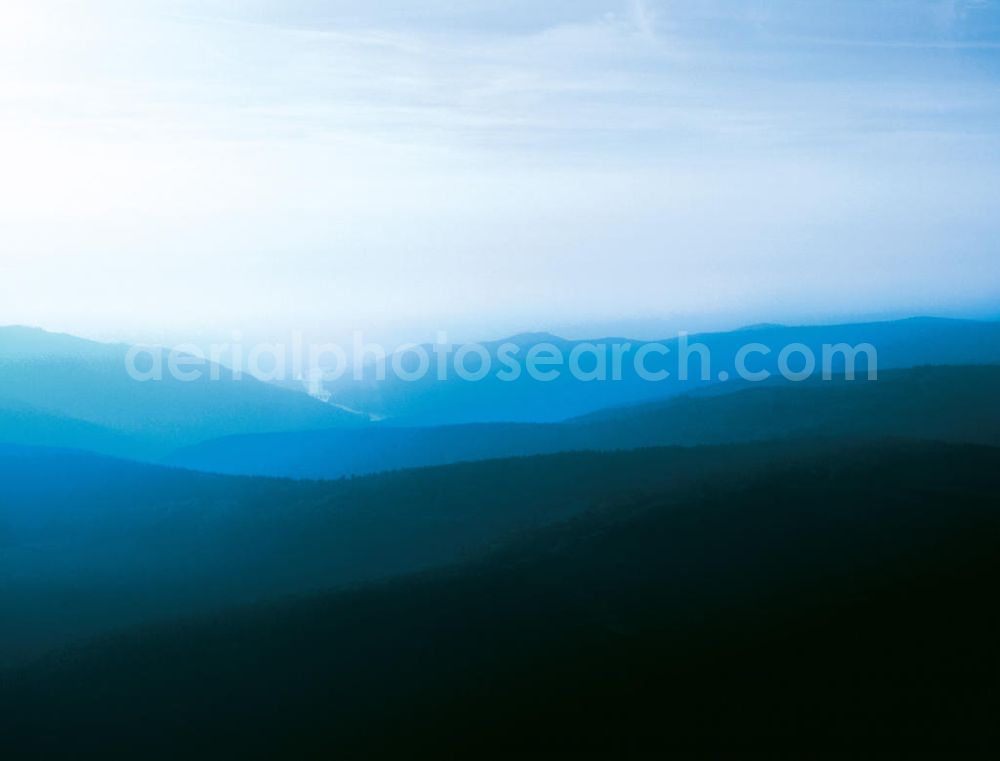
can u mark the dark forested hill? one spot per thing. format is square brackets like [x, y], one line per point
[945, 403]
[810, 598]
[90, 543]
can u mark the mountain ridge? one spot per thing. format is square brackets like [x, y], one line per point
[429, 401]
[952, 403]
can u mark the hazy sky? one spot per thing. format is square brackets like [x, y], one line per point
[403, 166]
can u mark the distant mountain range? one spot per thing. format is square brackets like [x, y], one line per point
[61, 391]
[429, 401]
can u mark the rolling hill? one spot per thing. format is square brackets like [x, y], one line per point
[829, 596]
[944, 403]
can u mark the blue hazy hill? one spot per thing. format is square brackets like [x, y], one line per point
[942, 403]
[429, 401]
[59, 390]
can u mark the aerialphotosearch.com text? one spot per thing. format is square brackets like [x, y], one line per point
[544, 361]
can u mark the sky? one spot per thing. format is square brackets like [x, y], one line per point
[181, 169]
